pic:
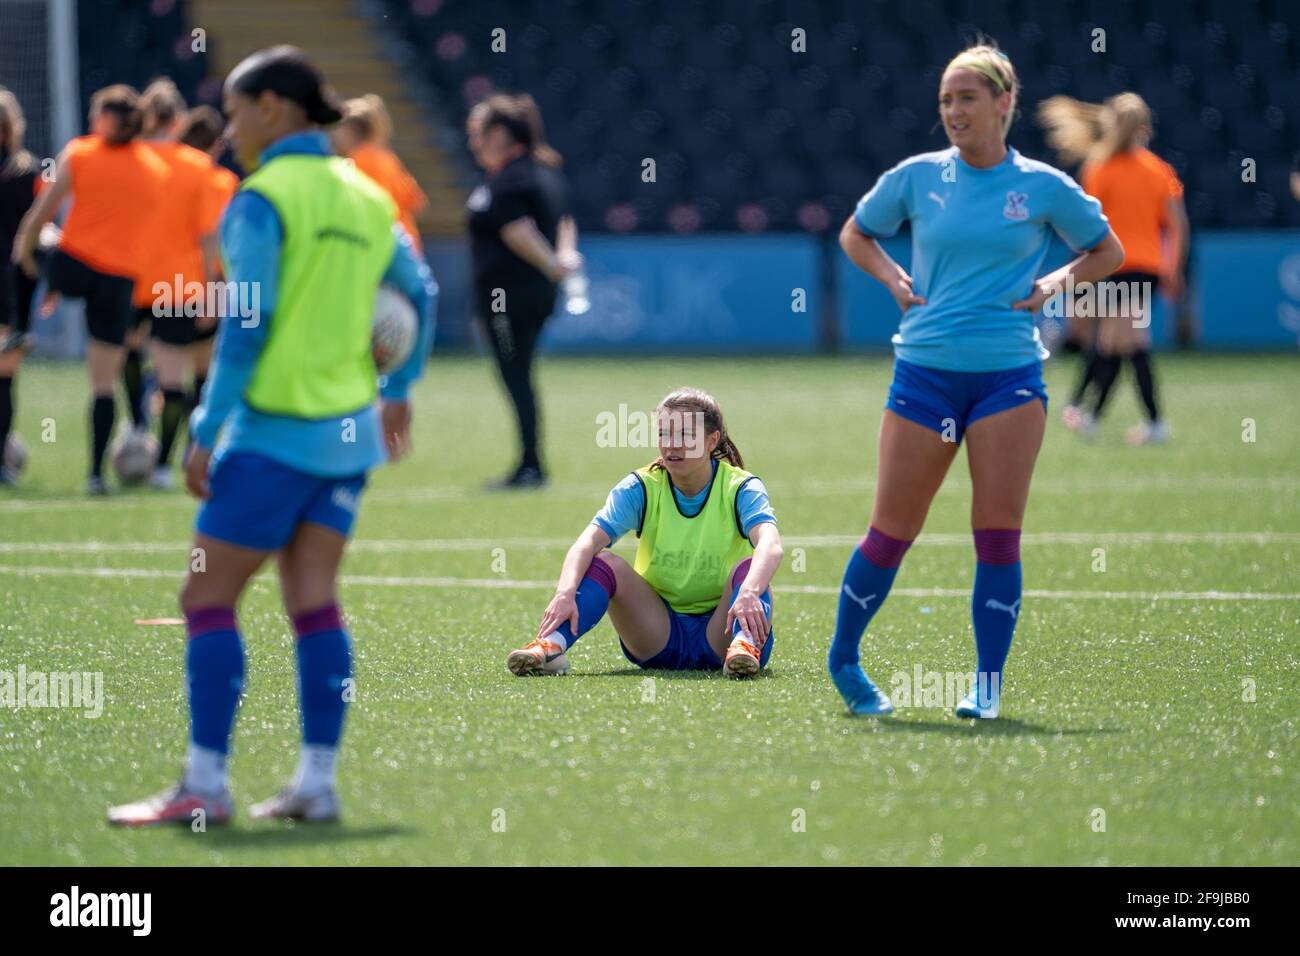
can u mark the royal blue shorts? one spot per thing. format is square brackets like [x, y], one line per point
[949, 402]
[688, 645]
[258, 502]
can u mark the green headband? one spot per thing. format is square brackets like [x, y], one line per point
[971, 63]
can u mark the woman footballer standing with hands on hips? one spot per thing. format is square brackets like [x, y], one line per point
[968, 361]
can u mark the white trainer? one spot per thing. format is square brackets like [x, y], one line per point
[981, 706]
[289, 804]
[1156, 433]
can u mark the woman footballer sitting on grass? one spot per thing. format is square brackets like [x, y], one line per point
[705, 529]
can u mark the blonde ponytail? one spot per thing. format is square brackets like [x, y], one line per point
[1091, 133]
[369, 116]
[14, 125]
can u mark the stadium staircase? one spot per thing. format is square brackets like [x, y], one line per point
[342, 42]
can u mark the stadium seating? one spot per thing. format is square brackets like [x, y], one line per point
[802, 135]
[129, 41]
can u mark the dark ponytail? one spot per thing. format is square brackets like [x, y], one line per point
[286, 72]
[728, 452]
[543, 152]
[122, 102]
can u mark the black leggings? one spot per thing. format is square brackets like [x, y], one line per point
[1106, 371]
[513, 336]
[17, 290]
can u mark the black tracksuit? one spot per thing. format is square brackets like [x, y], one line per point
[514, 298]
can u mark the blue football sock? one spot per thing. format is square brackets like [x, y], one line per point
[214, 669]
[867, 579]
[765, 599]
[595, 591]
[324, 664]
[995, 599]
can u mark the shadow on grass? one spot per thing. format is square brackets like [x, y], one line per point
[285, 834]
[1002, 727]
[669, 673]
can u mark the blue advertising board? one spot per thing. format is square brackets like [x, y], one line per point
[757, 294]
[1247, 288]
[699, 294]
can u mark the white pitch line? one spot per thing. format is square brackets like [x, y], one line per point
[963, 539]
[359, 544]
[805, 488]
[158, 502]
[35, 572]
[938, 539]
[1070, 595]
[1067, 485]
[506, 584]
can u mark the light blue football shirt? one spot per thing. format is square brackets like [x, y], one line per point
[979, 238]
[252, 238]
[625, 506]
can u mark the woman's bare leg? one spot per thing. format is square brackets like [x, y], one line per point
[1001, 450]
[637, 612]
[912, 464]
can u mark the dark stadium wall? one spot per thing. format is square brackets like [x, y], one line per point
[129, 41]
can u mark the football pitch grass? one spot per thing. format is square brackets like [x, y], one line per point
[1150, 711]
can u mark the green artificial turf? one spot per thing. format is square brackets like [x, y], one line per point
[1160, 691]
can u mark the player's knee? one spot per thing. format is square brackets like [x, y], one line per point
[613, 561]
[204, 589]
[304, 588]
[614, 566]
[900, 523]
[290, 596]
[739, 571]
[191, 597]
[300, 601]
[996, 516]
